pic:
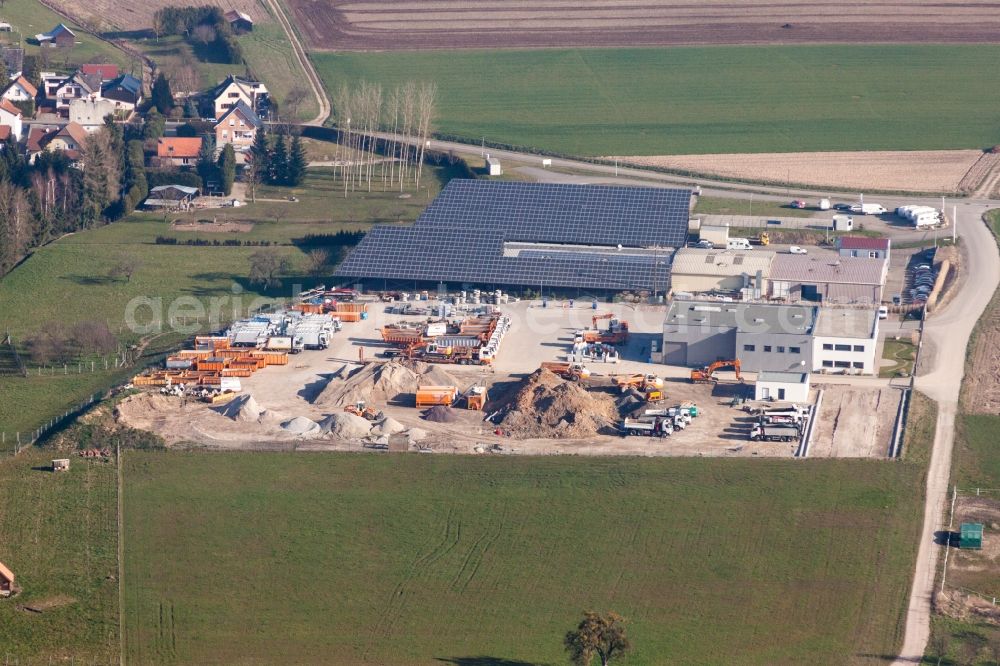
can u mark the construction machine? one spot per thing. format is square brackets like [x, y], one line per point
[570, 371]
[476, 397]
[706, 374]
[615, 334]
[361, 409]
[638, 381]
[763, 238]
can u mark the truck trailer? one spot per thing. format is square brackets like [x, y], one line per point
[774, 433]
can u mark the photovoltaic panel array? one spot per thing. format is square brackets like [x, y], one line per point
[461, 237]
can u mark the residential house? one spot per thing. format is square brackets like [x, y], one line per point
[105, 71]
[77, 86]
[234, 90]
[863, 246]
[238, 21]
[58, 36]
[177, 151]
[38, 140]
[70, 139]
[10, 116]
[90, 113]
[20, 90]
[50, 83]
[125, 90]
[238, 126]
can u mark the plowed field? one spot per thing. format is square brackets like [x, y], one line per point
[444, 24]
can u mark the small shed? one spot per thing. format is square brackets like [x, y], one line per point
[717, 235]
[239, 21]
[971, 536]
[842, 223]
[6, 581]
[782, 386]
[60, 465]
[493, 167]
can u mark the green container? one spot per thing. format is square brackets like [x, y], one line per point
[971, 536]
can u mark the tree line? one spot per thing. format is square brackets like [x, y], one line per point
[202, 26]
[404, 115]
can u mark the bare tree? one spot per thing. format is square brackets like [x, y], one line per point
[317, 261]
[293, 101]
[266, 266]
[125, 267]
[203, 34]
[92, 336]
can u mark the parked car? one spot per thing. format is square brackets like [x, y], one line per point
[795, 249]
[705, 244]
[842, 206]
[798, 203]
[883, 312]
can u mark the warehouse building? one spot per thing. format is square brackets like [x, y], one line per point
[540, 236]
[839, 280]
[699, 271]
[772, 338]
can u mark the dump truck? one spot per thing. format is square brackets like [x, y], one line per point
[707, 374]
[649, 427]
[774, 433]
[638, 381]
[569, 371]
[430, 396]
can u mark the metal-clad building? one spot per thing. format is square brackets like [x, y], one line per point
[841, 280]
[696, 270]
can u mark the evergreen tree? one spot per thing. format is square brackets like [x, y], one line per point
[206, 161]
[134, 184]
[227, 168]
[260, 155]
[161, 96]
[279, 162]
[297, 163]
[154, 126]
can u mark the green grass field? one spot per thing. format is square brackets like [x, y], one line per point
[58, 536]
[762, 208]
[242, 557]
[30, 18]
[902, 353]
[704, 99]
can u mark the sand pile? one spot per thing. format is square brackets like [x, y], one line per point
[388, 426]
[271, 417]
[241, 408]
[441, 414]
[547, 406]
[346, 426]
[380, 383]
[416, 434]
[303, 427]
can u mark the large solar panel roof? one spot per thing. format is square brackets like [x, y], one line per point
[460, 237]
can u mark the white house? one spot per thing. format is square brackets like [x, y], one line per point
[10, 116]
[234, 90]
[19, 90]
[77, 86]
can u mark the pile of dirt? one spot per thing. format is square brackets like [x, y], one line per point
[303, 427]
[388, 426]
[548, 406]
[346, 426]
[441, 414]
[241, 408]
[381, 383]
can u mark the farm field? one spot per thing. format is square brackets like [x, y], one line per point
[904, 171]
[31, 18]
[113, 15]
[448, 24]
[660, 102]
[411, 559]
[58, 533]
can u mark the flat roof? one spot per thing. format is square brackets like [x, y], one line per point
[811, 269]
[694, 261]
[783, 377]
[847, 323]
[863, 243]
[745, 317]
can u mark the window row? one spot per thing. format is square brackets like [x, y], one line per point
[769, 348]
[832, 347]
[844, 364]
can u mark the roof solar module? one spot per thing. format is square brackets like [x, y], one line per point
[460, 237]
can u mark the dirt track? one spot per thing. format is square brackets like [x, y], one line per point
[442, 24]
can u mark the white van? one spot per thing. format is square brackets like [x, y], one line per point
[738, 244]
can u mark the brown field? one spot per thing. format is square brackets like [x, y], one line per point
[437, 24]
[106, 15]
[909, 171]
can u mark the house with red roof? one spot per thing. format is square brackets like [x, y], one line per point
[10, 115]
[177, 150]
[864, 246]
[106, 71]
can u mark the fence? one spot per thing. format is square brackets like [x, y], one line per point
[955, 493]
[18, 441]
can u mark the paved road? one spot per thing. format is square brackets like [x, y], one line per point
[948, 331]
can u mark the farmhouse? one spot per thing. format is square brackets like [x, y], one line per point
[238, 21]
[696, 271]
[125, 90]
[238, 127]
[531, 235]
[6, 581]
[234, 90]
[796, 277]
[768, 337]
[58, 36]
[177, 151]
[863, 246]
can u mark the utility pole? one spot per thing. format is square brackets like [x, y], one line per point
[954, 223]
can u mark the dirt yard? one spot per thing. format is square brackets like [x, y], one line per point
[449, 24]
[211, 226]
[908, 171]
[845, 427]
[974, 571]
[107, 15]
